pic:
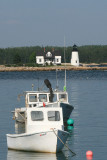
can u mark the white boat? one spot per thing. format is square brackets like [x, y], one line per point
[44, 131]
[50, 98]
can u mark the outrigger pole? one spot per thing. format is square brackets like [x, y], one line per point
[65, 65]
[56, 80]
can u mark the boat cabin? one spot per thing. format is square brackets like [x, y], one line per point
[37, 99]
[43, 119]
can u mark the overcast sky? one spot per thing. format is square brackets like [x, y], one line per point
[47, 22]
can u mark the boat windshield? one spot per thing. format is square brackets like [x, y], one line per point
[63, 97]
[37, 116]
[42, 97]
[54, 98]
[53, 116]
[32, 98]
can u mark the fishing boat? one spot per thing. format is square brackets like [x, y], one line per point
[41, 98]
[44, 131]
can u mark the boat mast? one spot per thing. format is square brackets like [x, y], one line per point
[65, 65]
[38, 83]
[56, 80]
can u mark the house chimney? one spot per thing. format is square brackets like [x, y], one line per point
[52, 49]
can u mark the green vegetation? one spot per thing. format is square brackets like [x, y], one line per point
[26, 56]
[93, 54]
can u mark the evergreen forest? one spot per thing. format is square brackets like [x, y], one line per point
[27, 55]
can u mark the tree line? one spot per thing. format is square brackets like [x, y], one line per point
[27, 55]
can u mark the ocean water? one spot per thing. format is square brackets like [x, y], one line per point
[87, 93]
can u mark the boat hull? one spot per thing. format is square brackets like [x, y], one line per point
[67, 110]
[39, 142]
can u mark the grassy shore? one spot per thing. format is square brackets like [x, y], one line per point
[50, 68]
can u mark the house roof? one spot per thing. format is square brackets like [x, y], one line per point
[45, 54]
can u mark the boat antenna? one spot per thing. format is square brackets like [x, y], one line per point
[32, 87]
[65, 66]
[56, 80]
[38, 83]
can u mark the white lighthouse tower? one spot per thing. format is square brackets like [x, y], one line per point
[75, 56]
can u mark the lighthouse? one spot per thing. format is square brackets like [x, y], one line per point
[75, 56]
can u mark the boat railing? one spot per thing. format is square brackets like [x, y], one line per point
[38, 105]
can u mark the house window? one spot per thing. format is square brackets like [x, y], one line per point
[57, 60]
[49, 54]
[39, 60]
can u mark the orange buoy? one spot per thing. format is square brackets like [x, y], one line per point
[89, 155]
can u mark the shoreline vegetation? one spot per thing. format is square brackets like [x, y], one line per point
[27, 55]
[66, 66]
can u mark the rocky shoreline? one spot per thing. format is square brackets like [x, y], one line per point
[52, 68]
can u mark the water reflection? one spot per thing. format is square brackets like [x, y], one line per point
[19, 155]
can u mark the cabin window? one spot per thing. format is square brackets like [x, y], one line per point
[62, 97]
[53, 116]
[54, 98]
[37, 116]
[32, 98]
[43, 97]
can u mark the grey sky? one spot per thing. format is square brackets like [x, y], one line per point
[46, 22]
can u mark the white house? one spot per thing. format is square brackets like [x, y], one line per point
[48, 57]
[75, 56]
[40, 59]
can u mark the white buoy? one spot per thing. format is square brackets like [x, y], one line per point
[75, 56]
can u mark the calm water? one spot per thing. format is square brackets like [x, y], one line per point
[87, 93]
